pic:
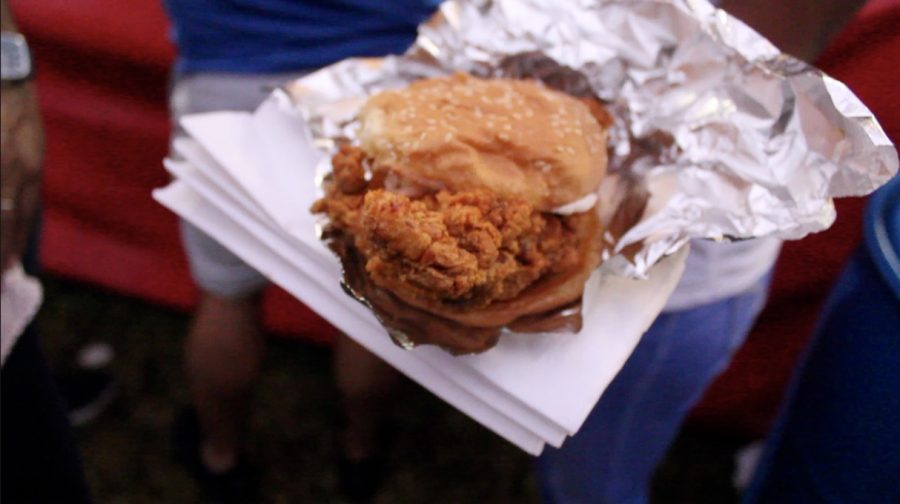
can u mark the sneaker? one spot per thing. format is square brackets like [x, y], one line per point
[86, 394]
[238, 485]
[88, 389]
[360, 480]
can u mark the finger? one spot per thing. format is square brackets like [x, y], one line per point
[10, 261]
[28, 202]
[30, 137]
[9, 232]
[5, 241]
[8, 219]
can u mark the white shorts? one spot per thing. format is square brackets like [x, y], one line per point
[214, 268]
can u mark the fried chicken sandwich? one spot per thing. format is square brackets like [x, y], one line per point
[468, 206]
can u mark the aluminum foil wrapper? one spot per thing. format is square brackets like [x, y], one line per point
[717, 134]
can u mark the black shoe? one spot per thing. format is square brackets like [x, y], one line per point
[238, 485]
[360, 480]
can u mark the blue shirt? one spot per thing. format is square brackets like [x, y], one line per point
[269, 36]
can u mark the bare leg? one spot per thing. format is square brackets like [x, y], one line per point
[223, 356]
[365, 383]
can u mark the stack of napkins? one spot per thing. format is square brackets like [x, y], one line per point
[248, 180]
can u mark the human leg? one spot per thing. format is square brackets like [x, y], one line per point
[225, 343]
[613, 456]
[223, 357]
[365, 383]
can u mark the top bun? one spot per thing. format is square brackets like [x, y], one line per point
[516, 138]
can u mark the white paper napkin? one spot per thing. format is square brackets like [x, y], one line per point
[205, 178]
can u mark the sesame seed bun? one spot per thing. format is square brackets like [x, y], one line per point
[516, 138]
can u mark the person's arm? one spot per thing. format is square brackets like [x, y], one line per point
[21, 156]
[801, 28]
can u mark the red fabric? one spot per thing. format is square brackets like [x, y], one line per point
[102, 79]
[102, 76]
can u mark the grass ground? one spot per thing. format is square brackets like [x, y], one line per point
[440, 456]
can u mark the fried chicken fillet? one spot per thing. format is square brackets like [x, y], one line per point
[450, 199]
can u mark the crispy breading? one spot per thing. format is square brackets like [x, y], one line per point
[349, 172]
[465, 249]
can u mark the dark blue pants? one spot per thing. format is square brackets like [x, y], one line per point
[838, 438]
[613, 456]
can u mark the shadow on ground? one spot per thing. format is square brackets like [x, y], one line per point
[440, 456]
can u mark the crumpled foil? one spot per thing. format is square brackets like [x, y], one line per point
[717, 134]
